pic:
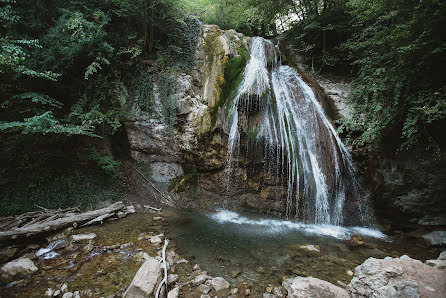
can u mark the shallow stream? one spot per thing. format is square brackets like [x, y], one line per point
[262, 251]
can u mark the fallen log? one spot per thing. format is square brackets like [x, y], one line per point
[59, 223]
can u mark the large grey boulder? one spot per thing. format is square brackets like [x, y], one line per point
[17, 268]
[146, 279]
[305, 287]
[397, 277]
[436, 238]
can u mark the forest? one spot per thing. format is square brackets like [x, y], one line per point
[68, 68]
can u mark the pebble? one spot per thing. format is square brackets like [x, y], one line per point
[56, 293]
[64, 288]
[68, 295]
[196, 267]
[247, 292]
[234, 291]
[49, 292]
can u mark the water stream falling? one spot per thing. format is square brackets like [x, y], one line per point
[277, 110]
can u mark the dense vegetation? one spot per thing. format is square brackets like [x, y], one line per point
[67, 70]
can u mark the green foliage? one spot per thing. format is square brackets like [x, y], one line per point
[181, 184]
[399, 55]
[167, 86]
[107, 163]
[144, 87]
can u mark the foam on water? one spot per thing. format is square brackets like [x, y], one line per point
[276, 226]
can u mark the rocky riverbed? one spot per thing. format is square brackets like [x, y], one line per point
[122, 258]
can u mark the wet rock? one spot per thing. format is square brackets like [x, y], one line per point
[219, 283]
[442, 255]
[203, 288]
[17, 268]
[200, 279]
[436, 238]
[82, 237]
[235, 273]
[175, 293]
[308, 247]
[302, 287]
[400, 277]
[432, 221]
[356, 240]
[145, 280]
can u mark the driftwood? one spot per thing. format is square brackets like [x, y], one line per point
[54, 220]
[152, 208]
[164, 280]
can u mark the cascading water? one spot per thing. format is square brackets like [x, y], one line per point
[280, 112]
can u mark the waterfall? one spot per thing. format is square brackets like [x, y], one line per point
[277, 110]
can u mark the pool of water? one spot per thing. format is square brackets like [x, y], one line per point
[262, 251]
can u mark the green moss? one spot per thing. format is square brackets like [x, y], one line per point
[182, 183]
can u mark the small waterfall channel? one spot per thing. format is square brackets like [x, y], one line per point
[279, 112]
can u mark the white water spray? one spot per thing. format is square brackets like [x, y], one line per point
[300, 143]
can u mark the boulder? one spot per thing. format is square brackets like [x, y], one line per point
[436, 238]
[219, 283]
[303, 287]
[166, 171]
[175, 293]
[17, 268]
[146, 279]
[399, 277]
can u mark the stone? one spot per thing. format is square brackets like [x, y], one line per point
[182, 261]
[205, 296]
[196, 267]
[269, 289]
[64, 288]
[49, 292]
[234, 291]
[441, 264]
[17, 268]
[436, 238]
[219, 283]
[56, 293]
[175, 293]
[302, 287]
[400, 277]
[204, 288]
[432, 221]
[172, 278]
[82, 237]
[155, 239]
[442, 255]
[235, 273]
[278, 292]
[247, 292]
[146, 279]
[68, 295]
[349, 273]
[309, 247]
[200, 279]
